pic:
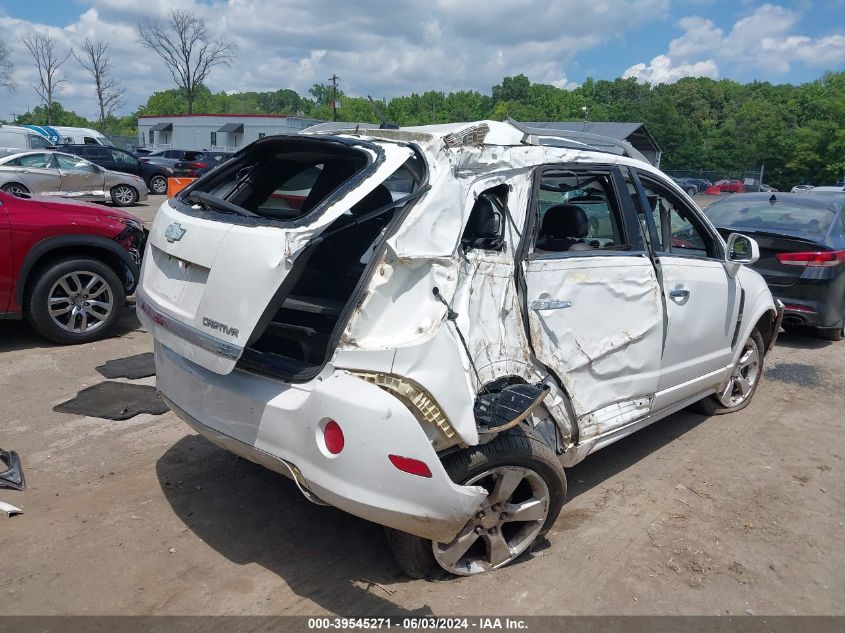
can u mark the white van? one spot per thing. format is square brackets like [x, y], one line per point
[14, 138]
[82, 136]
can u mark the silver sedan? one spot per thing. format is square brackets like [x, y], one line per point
[58, 174]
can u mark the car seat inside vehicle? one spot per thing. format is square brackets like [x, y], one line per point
[301, 328]
[564, 228]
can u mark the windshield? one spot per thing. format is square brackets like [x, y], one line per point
[762, 215]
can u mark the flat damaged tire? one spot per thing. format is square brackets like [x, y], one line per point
[745, 377]
[526, 489]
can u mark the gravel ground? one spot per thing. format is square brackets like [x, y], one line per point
[693, 515]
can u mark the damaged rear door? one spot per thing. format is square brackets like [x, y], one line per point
[593, 301]
[218, 253]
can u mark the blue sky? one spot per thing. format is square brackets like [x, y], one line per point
[385, 47]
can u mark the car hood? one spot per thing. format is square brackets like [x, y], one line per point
[79, 206]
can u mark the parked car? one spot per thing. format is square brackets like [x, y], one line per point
[199, 166]
[433, 361]
[726, 186]
[802, 252]
[60, 174]
[767, 188]
[835, 189]
[801, 188]
[154, 176]
[688, 184]
[169, 157]
[66, 266]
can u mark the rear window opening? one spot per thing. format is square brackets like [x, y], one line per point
[309, 315]
[284, 179]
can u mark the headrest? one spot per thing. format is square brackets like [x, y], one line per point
[565, 220]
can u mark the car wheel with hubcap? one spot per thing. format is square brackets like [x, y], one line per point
[124, 195]
[75, 300]
[692, 191]
[15, 189]
[740, 387]
[526, 487]
[158, 185]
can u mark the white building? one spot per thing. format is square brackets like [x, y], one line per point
[219, 132]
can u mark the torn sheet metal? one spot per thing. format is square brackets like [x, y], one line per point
[9, 510]
[12, 475]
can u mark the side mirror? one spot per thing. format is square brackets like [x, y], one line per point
[740, 249]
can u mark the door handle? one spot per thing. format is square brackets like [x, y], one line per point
[679, 293]
[550, 304]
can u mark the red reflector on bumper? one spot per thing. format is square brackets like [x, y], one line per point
[409, 465]
[333, 436]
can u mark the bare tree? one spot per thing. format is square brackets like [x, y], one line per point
[187, 48]
[48, 62]
[6, 68]
[96, 60]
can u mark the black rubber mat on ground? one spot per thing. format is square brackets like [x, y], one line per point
[114, 401]
[132, 367]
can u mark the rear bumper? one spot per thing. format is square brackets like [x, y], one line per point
[279, 426]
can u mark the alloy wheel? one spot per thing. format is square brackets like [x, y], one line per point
[124, 194]
[80, 302]
[744, 376]
[158, 184]
[15, 190]
[505, 525]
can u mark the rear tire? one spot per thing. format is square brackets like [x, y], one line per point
[516, 450]
[742, 375]
[102, 303]
[15, 189]
[692, 191]
[830, 333]
[124, 195]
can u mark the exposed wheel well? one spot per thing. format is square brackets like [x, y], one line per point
[61, 252]
[766, 326]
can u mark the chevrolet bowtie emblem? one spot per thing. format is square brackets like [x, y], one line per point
[174, 232]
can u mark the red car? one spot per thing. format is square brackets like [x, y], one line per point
[67, 266]
[726, 186]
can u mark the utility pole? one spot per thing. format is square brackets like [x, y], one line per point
[334, 79]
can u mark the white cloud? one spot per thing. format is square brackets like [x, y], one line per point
[763, 41]
[388, 49]
[661, 70]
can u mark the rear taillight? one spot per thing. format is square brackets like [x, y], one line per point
[410, 465]
[197, 165]
[144, 160]
[814, 258]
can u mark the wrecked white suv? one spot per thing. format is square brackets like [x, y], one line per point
[423, 327]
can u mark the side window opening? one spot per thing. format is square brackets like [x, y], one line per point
[679, 231]
[578, 212]
[38, 142]
[485, 227]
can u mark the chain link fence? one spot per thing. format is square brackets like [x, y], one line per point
[697, 181]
